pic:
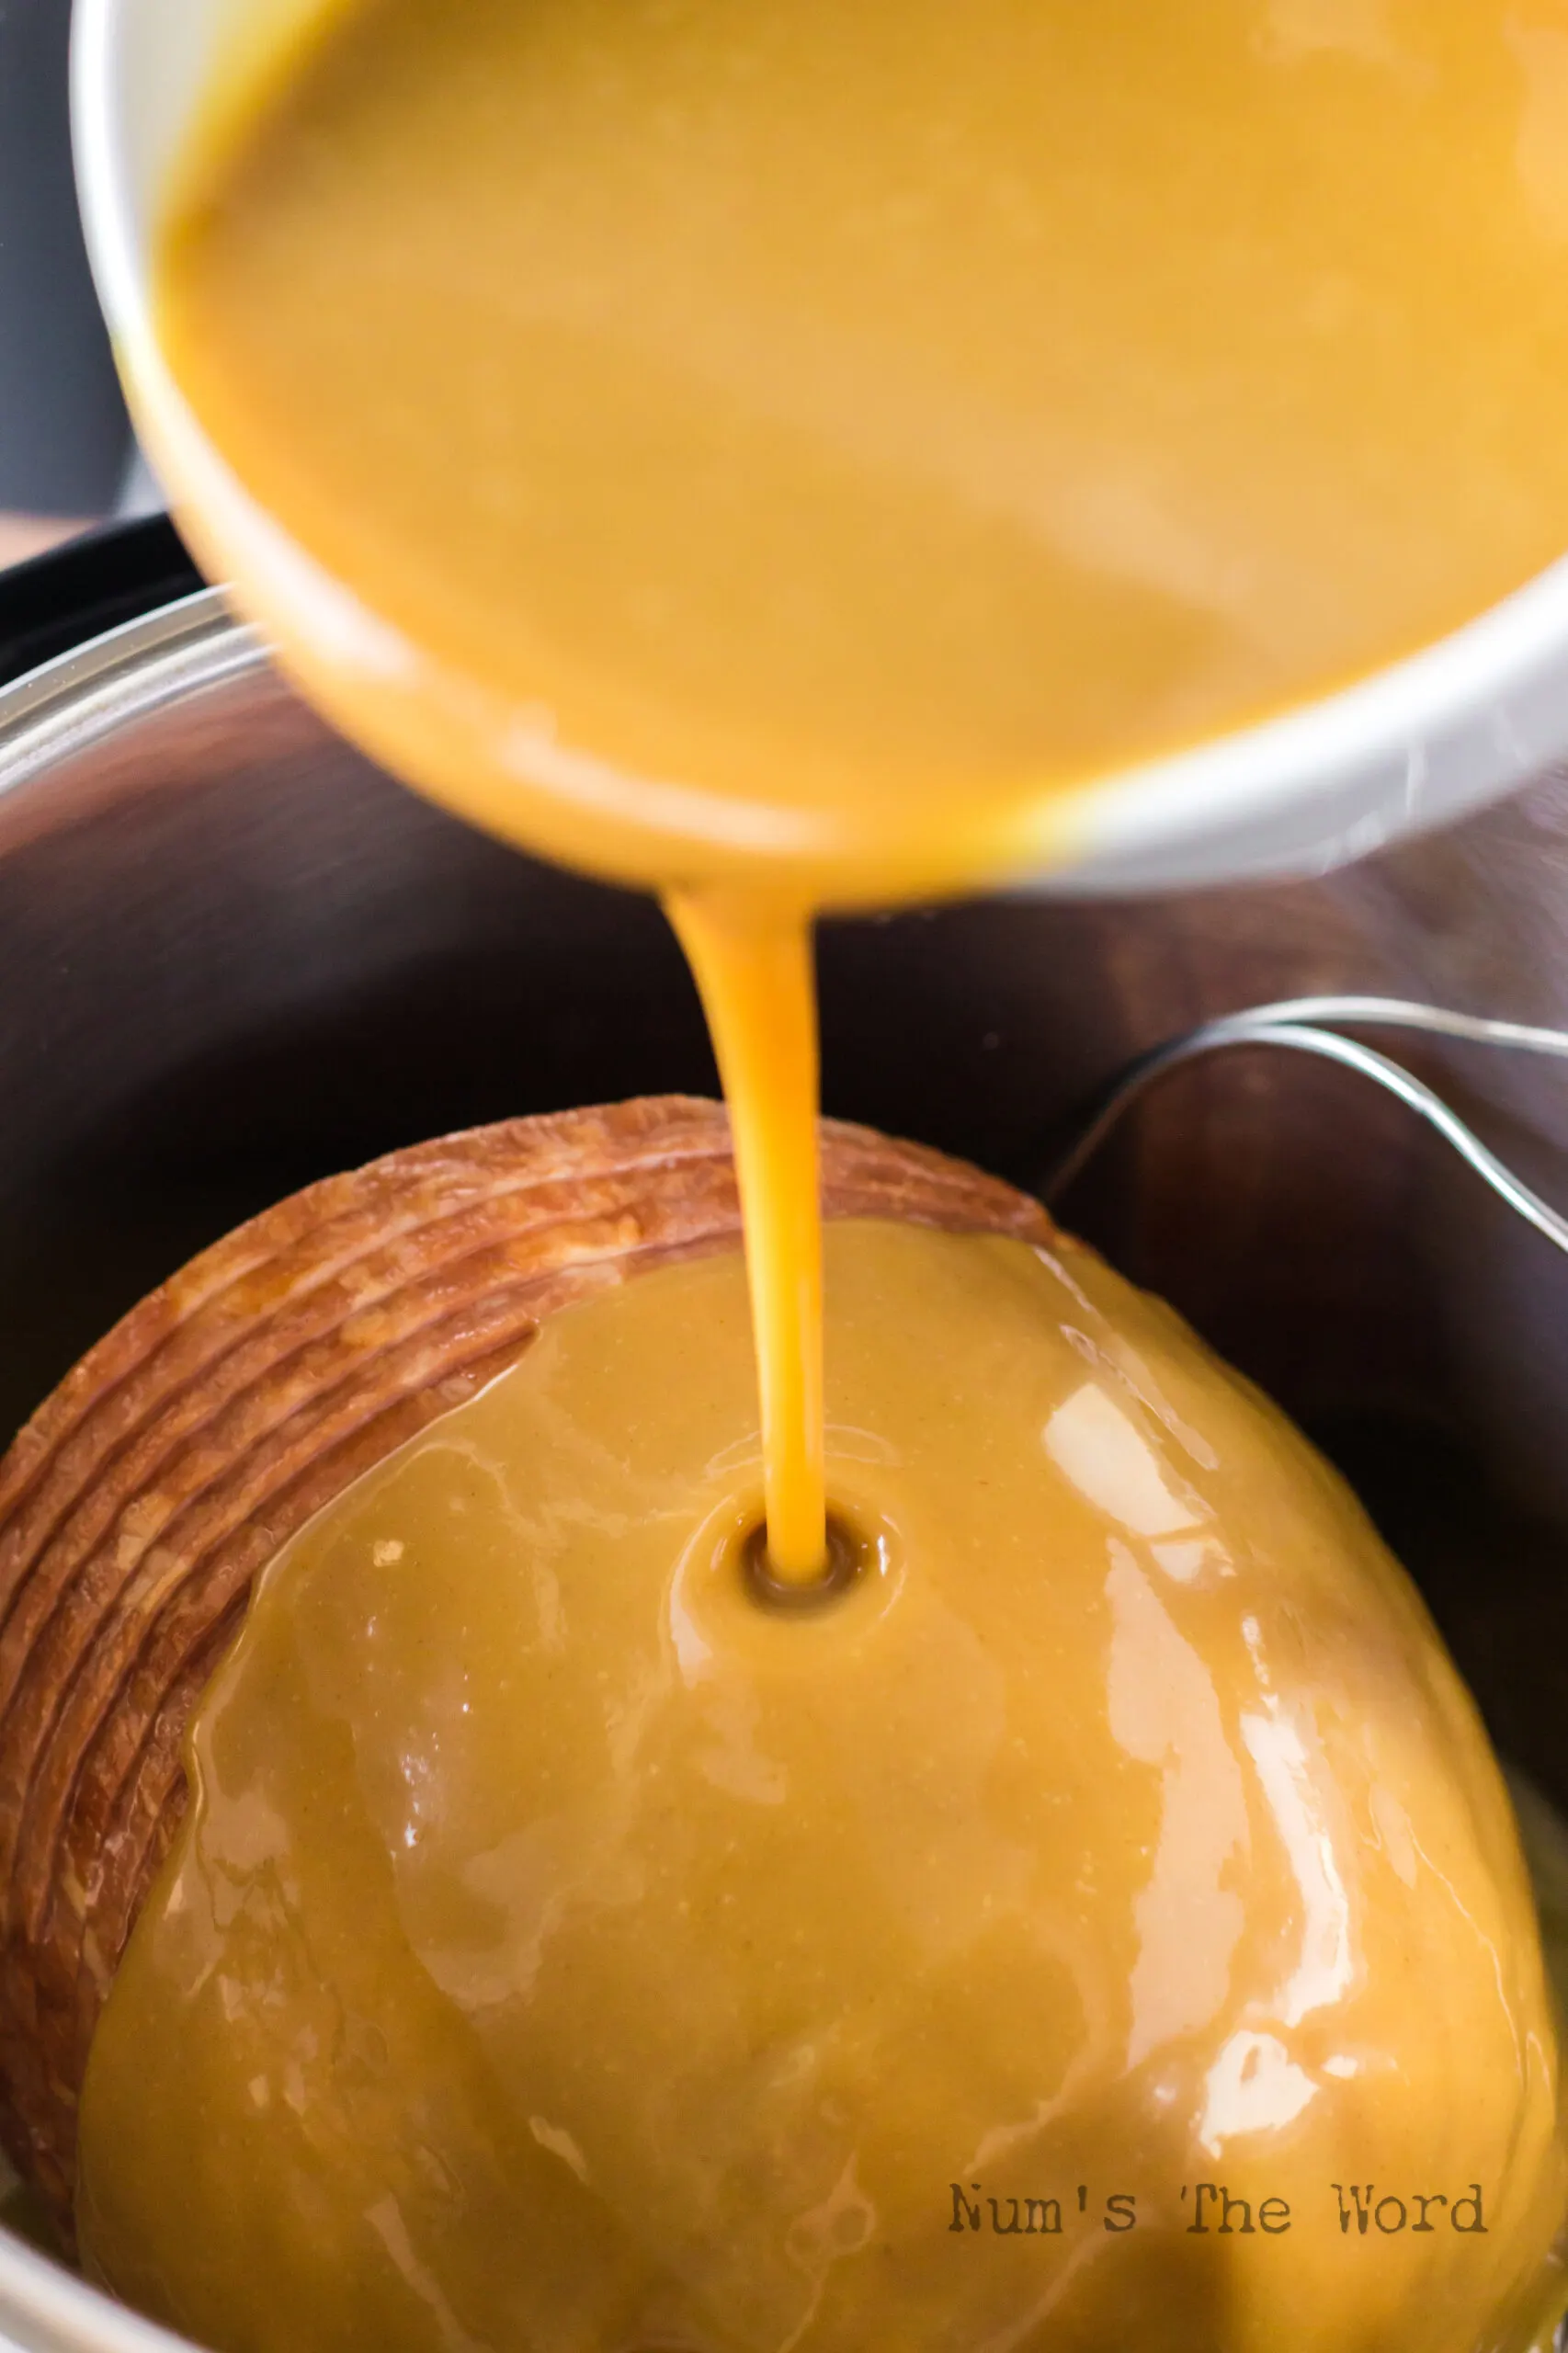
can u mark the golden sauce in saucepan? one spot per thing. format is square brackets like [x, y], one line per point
[565, 1953]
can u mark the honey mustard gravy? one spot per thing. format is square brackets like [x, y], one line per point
[806, 436]
[566, 1953]
[783, 447]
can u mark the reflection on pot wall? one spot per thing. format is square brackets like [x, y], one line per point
[232, 958]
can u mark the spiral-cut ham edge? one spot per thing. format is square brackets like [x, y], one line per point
[144, 1496]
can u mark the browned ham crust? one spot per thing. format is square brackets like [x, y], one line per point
[144, 1495]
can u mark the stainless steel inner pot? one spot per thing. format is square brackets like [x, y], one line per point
[235, 957]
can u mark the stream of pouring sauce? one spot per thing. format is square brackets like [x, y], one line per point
[562, 1954]
[778, 451]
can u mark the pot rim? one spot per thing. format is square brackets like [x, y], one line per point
[46, 2309]
[68, 706]
[65, 707]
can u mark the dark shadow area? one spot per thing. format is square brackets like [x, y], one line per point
[1494, 1577]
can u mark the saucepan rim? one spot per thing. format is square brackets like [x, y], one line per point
[1441, 732]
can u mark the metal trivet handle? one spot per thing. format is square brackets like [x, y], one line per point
[1307, 1025]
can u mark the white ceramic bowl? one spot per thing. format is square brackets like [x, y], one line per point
[1408, 748]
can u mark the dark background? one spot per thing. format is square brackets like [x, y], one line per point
[64, 441]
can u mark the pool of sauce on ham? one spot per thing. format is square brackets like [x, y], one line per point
[563, 1952]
